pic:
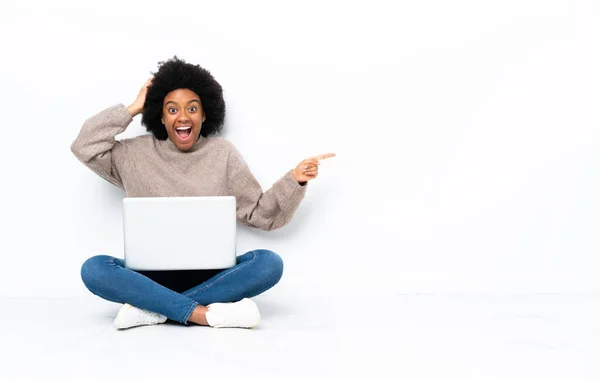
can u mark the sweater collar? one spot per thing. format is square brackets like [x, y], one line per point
[169, 145]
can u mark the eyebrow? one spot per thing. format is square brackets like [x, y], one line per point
[189, 102]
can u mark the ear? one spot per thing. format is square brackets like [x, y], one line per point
[203, 116]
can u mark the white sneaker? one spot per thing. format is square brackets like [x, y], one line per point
[130, 316]
[241, 314]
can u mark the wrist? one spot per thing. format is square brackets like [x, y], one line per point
[134, 110]
[294, 175]
[301, 182]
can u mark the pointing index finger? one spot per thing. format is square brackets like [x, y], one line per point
[324, 156]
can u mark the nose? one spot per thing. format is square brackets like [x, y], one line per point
[183, 117]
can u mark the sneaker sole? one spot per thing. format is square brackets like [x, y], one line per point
[252, 305]
[119, 318]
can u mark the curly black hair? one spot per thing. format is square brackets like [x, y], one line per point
[176, 74]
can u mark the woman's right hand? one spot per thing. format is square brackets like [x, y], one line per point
[138, 105]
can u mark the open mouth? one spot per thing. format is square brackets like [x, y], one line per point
[183, 132]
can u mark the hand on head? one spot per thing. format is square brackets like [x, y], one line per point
[138, 105]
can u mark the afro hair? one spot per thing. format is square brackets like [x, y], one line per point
[177, 74]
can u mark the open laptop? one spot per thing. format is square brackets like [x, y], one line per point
[179, 233]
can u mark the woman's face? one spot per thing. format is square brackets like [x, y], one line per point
[182, 115]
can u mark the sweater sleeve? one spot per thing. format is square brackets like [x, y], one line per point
[269, 210]
[96, 147]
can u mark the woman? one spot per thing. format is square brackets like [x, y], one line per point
[182, 106]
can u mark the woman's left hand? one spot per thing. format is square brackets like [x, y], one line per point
[309, 168]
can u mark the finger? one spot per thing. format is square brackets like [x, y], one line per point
[310, 168]
[307, 164]
[324, 156]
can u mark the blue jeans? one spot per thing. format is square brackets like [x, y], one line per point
[254, 273]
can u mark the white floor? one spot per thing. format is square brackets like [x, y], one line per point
[400, 336]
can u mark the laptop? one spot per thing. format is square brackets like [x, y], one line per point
[179, 233]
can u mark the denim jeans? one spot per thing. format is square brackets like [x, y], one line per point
[255, 272]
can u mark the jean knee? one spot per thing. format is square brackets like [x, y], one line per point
[92, 269]
[271, 266]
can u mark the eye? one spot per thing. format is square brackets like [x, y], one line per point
[172, 110]
[193, 109]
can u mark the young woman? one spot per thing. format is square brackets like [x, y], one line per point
[182, 106]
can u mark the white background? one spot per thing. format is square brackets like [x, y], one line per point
[467, 135]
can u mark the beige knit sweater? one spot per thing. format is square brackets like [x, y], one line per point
[147, 167]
